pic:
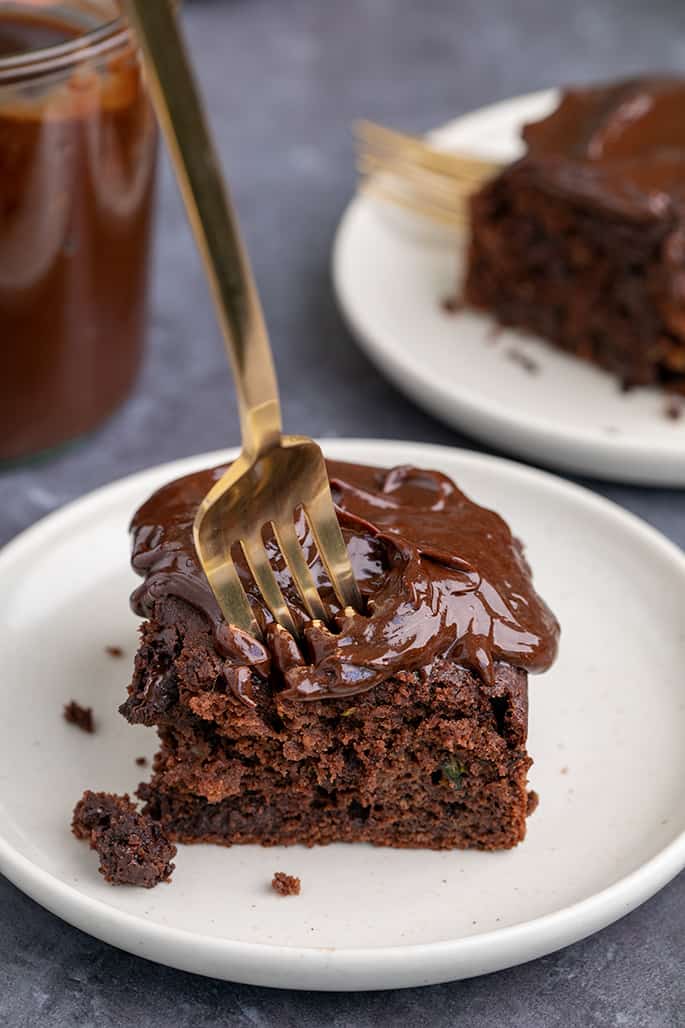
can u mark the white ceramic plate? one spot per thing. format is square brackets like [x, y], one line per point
[391, 272]
[607, 729]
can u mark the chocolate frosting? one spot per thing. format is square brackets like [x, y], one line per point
[620, 145]
[440, 577]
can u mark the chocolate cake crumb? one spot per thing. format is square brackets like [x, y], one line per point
[82, 717]
[452, 305]
[564, 771]
[95, 810]
[674, 408]
[132, 847]
[524, 361]
[285, 885]
[141, 761]
[114, 651]
[532, 804]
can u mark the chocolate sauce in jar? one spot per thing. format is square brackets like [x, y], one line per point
[24, 32]
[77, 162]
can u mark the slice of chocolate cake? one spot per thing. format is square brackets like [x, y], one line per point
[404, 726]
[582, 241]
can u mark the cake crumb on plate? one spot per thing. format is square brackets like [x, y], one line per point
[524, 361]
[285, 885]
[82, 717]
[452, 305]
[132, 847]
[674, 408]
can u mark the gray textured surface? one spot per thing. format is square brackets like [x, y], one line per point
[284, 79]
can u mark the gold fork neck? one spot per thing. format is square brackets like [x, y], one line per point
[261, 428]
[213, 218]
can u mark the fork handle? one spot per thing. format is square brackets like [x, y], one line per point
[176, 99]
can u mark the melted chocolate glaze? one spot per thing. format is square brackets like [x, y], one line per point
[621, 145]
[440, 576]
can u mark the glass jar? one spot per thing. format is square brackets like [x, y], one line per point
[78, 146]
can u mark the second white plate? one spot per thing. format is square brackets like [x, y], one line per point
[391, 273]
[606, 732]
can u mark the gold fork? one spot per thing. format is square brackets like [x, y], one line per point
[275, 475]
[408, 172]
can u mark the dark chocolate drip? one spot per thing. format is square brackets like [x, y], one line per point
[440, 576]
[620, 145]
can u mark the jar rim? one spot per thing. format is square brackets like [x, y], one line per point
[94, 43]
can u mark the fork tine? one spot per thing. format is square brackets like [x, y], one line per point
[262, 572]
[433, 195]
[374, 136]
[441, 215]
[459, 172]
[400, 164]
[225, 582]
[304, 580]
[332, 550]
[370, 163]
[439, 190]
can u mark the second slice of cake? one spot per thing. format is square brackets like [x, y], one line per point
[582, 241]
[405, 726]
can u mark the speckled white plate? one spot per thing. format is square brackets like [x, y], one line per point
[392, 271]
[607, 729]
